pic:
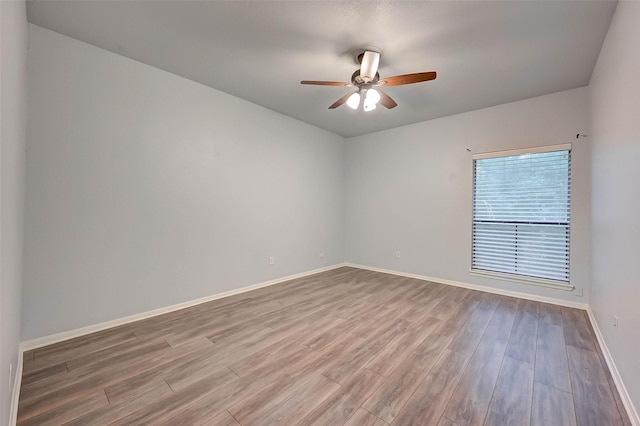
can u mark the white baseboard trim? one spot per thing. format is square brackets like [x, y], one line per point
[66, 335]
[17, 382]
[486, 289]
[617, 379]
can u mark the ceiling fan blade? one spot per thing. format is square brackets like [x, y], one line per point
[369, 65]
[399, 80]
[342, 100]
[325, 83]
[386, 100]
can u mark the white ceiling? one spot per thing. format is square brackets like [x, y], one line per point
[485, 52]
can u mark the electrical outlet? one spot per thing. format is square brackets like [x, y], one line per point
[10, 371]
[398, 254]
[616, 323]
[322, 254]
[578, 292]
[272, 260]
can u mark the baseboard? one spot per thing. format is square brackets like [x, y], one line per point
[15, 396]
[617, 379]
[66, 335]
[486, 289]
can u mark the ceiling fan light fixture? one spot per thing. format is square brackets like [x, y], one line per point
[366, 79]
[371, 99]
[373, 96]
[354, 101]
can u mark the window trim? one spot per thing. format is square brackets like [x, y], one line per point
[543, 282]
[532, 150]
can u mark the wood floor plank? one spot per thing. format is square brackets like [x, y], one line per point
[550, 314]
[551, 367]
[36, 375]
[408, 289]
[340, 406]
[69, 349]
[591, 392]
[319, 360]
[114, 354]
[186, 376]
[288, 407]
[511, 401]
[122, 408]
[499, 328]
[401, 384]
[154, 378]
[228, 351]
[179, 336]
[375, 318]
[206, 397]
[424, 302]
[456, 318]
[63, 414]
[523, 337]
[470, 400]
[222, 419]
[470, 333]
[327, 334]
[281, 363]
[28, 356]
[552, 407]
[77, 377]
[81, 381]
[48, 399]
[343, 370]
[139, 385]
[446, 422]
[395, 352]
[576, 330]
[193, 403]
[449, 303]
[428, 403]
[364, 418]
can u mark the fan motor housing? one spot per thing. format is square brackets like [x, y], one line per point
[357, 81]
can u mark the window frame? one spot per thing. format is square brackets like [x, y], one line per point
[545, 282]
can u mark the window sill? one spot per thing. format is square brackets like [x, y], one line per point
[518, 278]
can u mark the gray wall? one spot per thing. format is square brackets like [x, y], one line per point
[409, 189]
[13, 117]
[615, 227]
[145, 189]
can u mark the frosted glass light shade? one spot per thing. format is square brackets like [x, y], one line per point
[354, 101]
[373, 96]
[371, 99]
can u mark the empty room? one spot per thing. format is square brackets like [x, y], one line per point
[319, 212]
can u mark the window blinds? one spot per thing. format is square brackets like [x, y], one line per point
[521, 213]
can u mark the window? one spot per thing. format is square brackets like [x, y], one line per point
[521, 213]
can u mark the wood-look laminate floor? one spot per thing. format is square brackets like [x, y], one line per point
[345, 347]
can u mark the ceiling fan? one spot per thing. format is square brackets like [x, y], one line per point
[367, 83]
